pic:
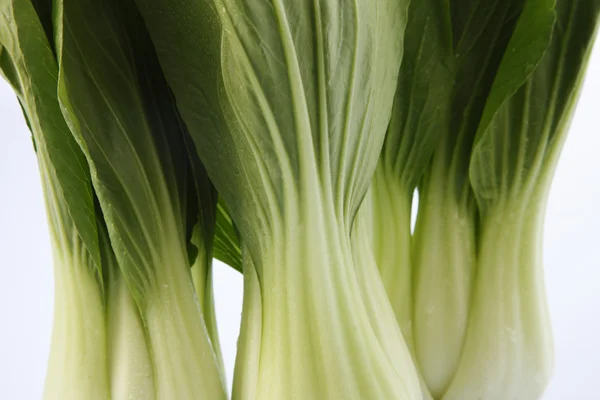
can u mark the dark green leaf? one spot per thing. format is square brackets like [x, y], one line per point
[422, 101]
[25, 49]
[481, 30]
[289, 114]
[227, 244]
[526, 116]
[118, 104]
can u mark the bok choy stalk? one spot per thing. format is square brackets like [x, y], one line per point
[508, 348]
[77, 365]
[294, 97]
[120, 109]
[445, 234]
[419, 115]
[129, 358]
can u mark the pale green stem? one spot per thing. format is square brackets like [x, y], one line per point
[185, 365]
[77, 365]
[131, 372]
[444, 260]
[508, 350]
[202, 273]
[372, 287]
[247, 362]
[328, 331]
[391, 205]
[78, 362]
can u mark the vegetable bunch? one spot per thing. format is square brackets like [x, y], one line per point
[287, 138]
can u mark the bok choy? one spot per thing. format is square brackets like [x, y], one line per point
[288, 139]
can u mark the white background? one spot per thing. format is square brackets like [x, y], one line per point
[572, 260]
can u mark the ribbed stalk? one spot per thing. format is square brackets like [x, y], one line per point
[247, 362]
[508, 349]
[185, 365]
[444, 260]
[374, 292]
[391, 203]
[77, 365]
[131, 371]
[328, 331]
[202, 275]
[78, 362]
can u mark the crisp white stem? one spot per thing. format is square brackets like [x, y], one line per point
[444, 260]
[202, 272]
[185, 366]
[247, 362]
[131, 372]
[391, 238]
[327, 329]
[78, 362]
[77, 365]
[508, 350]
[372, 287]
